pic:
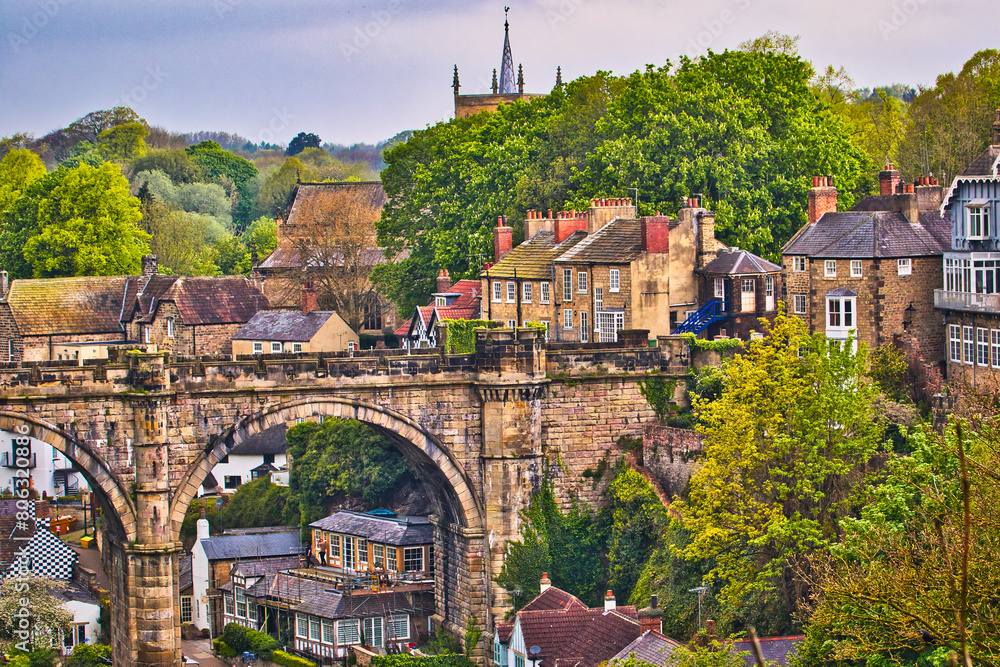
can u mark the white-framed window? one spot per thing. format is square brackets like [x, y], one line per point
[955, 343]
[373, 632]
[748, 295]
[598, 299]
[362, 551]
[526, 292]
[327, 631]
[241, 603]
[518, 660]
[978, 221]
[608, 326]
[769, 292]
[413, 559]
[390, 559]
[511, 291]
[335, 546]
[568, 318]
[840, 316]
[982, 347]
[968, 346]
[614, 280]
[719, 288]
[348, 632]
[545, 323]
[301, 626]
[830, 268]
[567, 284]
[348, 552]
[497, 291]
[440, 301]
[544, 288]
[314, 629]
[148, 333]
[904, 267]
[581, 282]
[995, 346]
[857, 270]
[258, 348]
[798, 264]
[378, 556]
[275, 347]
[227, 605]
[297, 348]
[398, 627]
[251, 609]
[170, 327]
[584, 327]
[511, 324]
[351, 346]
[799, 304]
[185, 609]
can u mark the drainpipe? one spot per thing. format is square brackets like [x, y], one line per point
[489, 293]
[517, 300]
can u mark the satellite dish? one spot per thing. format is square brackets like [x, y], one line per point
[534, 651]
[218, 502]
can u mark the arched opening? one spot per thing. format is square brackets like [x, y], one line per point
[117, 508]
[448, 484]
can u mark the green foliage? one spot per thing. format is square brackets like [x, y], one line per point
[225, 167]
[404, 660]
[444, 645]
[276, 193]
[659, 393]
[18, 169]
[189, 527]
[302, 141]
[223, 649]
[340, 456]
[255, 504]
[176, 164]
[472, 636]
[90, 655]
[238, 640]
[462, 334]
[888, 367]
[122, 143]
[289, 660]
[786, 446]
[722, 345]
[637, 519]
[707, 383]
[39, 657]
[567, 545]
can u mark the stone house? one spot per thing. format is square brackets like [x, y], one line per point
[746, 288]
[969, 296]
[260, 454]
[452, 301]
[380, 542]
[295, 331]
[588, 275]
[870, 271]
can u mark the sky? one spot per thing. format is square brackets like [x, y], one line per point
[363, 71]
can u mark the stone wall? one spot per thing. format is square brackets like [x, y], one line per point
[670, 455]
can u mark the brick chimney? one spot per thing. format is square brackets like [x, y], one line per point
[503, 238]
[308, 297]
[568, 222]
[822, 198]
[443, 281]
[545, 583]
[609, 601]
[149, 265]
[888, 180]
[603, 211]
[651, 617]
[655, 232]
[536, 222]
[996, 129]
[929, 193]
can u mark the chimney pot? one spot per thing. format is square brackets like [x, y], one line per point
[550, 214]
[545, 582]
[609, 601]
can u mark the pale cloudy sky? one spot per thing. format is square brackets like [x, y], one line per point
[364, 70]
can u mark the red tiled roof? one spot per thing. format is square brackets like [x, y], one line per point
[503, 632]
[554, 598]
[577, 636]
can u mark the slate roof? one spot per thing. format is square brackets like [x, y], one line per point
[269, 441]
[288, 588]
[985, 164]
[775, 649]
[211, 300]
[276, 542]
[284, 325]
[398, 530]
[870, 234]
[735, 261]
[618, 242]
[85, 305]
[334, 604]
[651, 647]
[143, 292]
[184, 571]
[533, 258]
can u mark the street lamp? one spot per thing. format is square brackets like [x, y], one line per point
[700, 590]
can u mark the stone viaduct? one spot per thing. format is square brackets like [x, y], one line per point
[477, 429]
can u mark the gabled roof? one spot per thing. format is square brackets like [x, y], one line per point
[271, 544]
[735, 261]
[212, 300]
[466, 306]
[651, 647]
[83, 305]
[288, 588]
[574, 636]
[554, 599]
[285, 325]
[312, 199]
[986, 167]
[618, 242]
[533, 258]
[775, 649]
[144, 292]
[870, 234]
[396, 530]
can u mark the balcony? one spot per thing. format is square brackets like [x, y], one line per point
[967, 301]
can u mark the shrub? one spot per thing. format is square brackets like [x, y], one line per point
[403, 660]
[220, 647]
[289, 660]
[87, 655]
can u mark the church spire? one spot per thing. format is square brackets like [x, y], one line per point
[507, 64]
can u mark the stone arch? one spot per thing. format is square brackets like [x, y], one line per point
[116, 503]
[460, 506]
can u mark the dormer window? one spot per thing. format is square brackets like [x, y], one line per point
[977, 216]
[440, 301]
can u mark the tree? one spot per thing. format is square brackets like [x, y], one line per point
[48, 614]
[90, 127]
[18, 169]
[276, 192]
[225, 167]
[85, 223]
[917, 571]
[90, 655]
[301, 142]
[256, 504]
[122, 143]
[176, 164]
[786, 445]
[637, 519]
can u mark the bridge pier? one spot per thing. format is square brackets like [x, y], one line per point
[462, 581]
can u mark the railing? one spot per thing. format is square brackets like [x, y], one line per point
[968, 301]
[713, 311]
